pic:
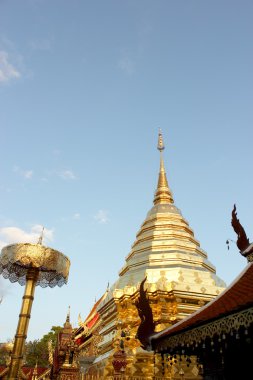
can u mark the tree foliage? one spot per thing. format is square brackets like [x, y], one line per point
[37, 350]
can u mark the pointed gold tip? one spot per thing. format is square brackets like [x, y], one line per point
[160, 145]
[163, 193]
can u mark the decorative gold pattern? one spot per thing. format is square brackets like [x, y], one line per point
[50, 351]
[222, 326]
[17, 259]
[250, 257]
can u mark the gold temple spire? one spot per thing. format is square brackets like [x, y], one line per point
[163, 193]
[67, 327]
[35, 371]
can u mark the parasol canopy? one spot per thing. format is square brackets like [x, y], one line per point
[17, 259]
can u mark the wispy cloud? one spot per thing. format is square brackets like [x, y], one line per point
[9, 235]
[44, 179]
[126, 63]
[45, 44]
[27, 174]
[7, 70]
[67, 175]
[76, 216]
[4, 289]
[56, 152]
[101, 217]
[5, 188]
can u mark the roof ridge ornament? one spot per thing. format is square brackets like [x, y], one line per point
[243, 243]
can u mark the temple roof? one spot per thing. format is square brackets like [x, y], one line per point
[91, 318]
[238, 296]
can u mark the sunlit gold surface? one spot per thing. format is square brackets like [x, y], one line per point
[30, 264]
[180, 278]
[163, 193]
[7, 346]
[17, 259]
[24, 317]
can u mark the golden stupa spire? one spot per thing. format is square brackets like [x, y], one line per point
[67, 325]
[163, 193]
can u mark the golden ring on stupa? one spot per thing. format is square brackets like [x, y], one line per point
[17, 259]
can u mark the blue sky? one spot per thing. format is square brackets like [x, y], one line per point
[84, 88]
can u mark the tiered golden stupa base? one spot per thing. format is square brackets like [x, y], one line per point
[145, 365]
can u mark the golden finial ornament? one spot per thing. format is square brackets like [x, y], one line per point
[163, 193]
[160, 145]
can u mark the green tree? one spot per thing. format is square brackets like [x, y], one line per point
[37, 350]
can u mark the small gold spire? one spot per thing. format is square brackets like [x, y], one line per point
[67, 327]
[35, 371]
[163, 193]
[41, 236]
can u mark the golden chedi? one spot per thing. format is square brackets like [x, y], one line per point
[180, 278]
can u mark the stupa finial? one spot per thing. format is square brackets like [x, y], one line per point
[160, 145]
[67, 325]
[163, 193]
